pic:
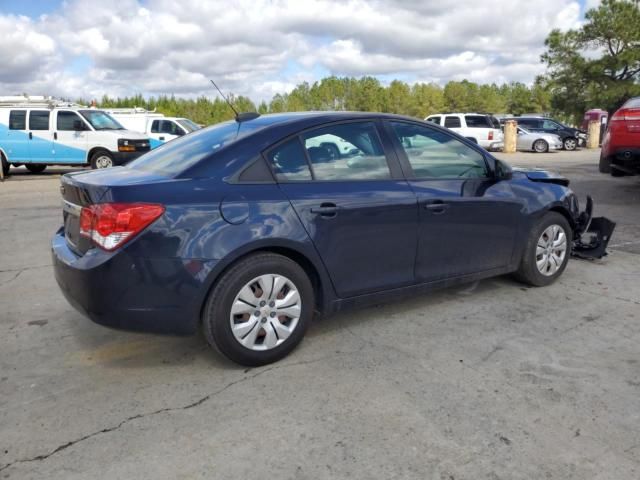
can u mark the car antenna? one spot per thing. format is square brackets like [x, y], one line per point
[240, 117]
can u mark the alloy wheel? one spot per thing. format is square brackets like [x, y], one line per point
[265, 312]
[551, 250]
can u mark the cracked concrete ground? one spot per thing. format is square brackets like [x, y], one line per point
[488, 381]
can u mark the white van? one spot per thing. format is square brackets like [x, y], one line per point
[159, 128]
[40, 131]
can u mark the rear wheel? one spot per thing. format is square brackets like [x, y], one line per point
[5, 165]
[604, 166]
[540, 146]
[570, 143]
[259, 310]
[35, 167]
[101, 159]
[547, 251]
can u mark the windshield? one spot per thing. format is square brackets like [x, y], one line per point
[188, 125]
[100, 120]
[176, 156]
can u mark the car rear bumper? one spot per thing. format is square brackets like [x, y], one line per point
[627, 157]
[120, 291]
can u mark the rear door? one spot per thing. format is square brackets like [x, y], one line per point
[41, 148]
[356, 207]
[70, 137]
[467, 220]
[16, 143]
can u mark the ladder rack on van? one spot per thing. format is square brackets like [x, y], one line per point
[34, 101]
[129, 111]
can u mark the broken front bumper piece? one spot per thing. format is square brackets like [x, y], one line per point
[592, 235]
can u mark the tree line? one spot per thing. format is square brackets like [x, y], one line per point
[355, 94]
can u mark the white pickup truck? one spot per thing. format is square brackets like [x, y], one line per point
[480, 128]
[155, 125]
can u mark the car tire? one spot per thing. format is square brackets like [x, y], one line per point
[604, 165]
[101, 159]
[36, 167]
[244, 336]
[540, 246]
[5, 165]
[540, 146]
[570, 143]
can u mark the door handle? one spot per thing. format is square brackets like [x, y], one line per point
[328, 210]
[437, 207]
[161, 138]
[30, 136]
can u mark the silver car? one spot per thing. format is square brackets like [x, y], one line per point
[538, 142]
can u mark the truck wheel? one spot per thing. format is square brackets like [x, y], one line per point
[547, 251]
[5, 165]
[259, 309]
[35, 167]
[604, 166]
[101, 159]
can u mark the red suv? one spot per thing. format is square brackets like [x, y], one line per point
[620, 153]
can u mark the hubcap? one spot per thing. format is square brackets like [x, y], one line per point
[570, 144]
[265, 312]
[551, 250]
[103, 162]
[540, 146]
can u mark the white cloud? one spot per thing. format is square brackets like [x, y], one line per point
[262, 47]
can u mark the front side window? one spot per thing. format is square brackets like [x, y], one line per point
[66, 121]
[18, 120]
[39, 120]
[435, 120]
[452, 122]
[434, 154]
[550, 125]
[289, 162]
[155, 126]
[100, 120]
[169, 127]
[346, 151]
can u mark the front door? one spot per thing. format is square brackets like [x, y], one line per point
[468, 220]
[163, 131]
[359, 213]
[70, 137]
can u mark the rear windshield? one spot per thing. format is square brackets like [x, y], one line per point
[176, 156]
[632, 103]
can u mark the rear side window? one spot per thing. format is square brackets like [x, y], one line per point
[17, 120]
[435, 120]
[66, 121]
[39, 120]
[289, 162]
[346, 151]
[452, 122]
[478, 121]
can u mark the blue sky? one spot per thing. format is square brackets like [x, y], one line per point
[123, 47]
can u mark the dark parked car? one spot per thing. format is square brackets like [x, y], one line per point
[245, 228]
[620, 154]
[571, 137]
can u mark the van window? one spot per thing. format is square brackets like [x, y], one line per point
[17, 119]
[452, 122]
[66, 120]
[39, 120]
[155, 126]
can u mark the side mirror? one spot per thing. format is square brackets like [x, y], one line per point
[503, 171]
[78, 126]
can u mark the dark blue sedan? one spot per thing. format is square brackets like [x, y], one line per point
[248, 227]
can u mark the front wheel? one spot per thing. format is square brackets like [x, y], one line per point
[540, 146]
[570, 143]
[35, 167]
[101, 160]
[5, 165]
[547, 251]
[604, 166]
[259, 310]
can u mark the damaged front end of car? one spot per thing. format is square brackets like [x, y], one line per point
[591, 235]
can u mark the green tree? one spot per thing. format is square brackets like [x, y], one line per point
[597, 65]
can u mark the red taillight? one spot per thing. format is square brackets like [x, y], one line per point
[490, 135]
[110, 225]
